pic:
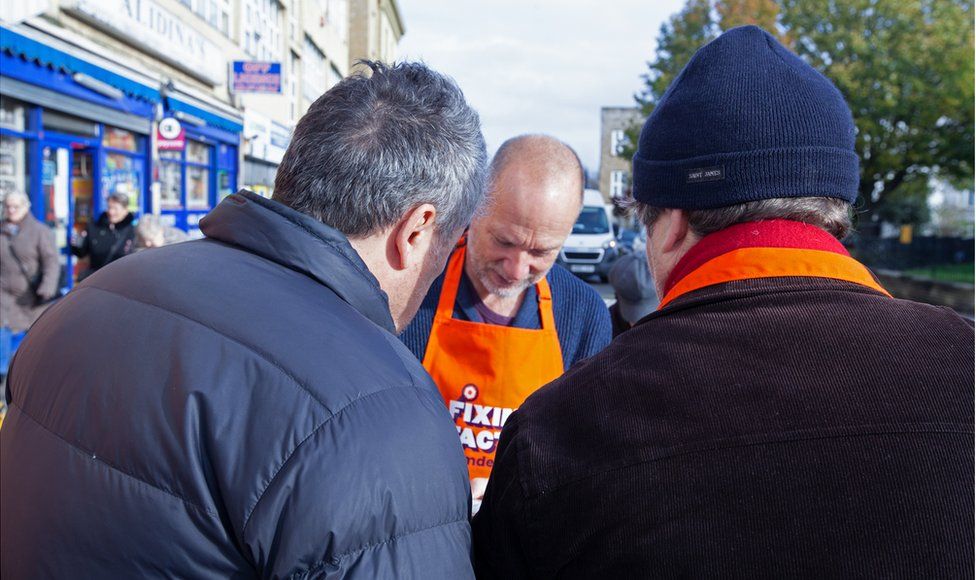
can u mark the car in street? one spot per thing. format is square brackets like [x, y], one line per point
[592, 247]
[628, 240]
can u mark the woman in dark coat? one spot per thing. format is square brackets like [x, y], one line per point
[110, 237]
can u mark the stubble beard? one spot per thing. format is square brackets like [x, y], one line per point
[512, 291]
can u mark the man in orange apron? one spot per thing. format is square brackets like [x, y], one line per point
[502, 321]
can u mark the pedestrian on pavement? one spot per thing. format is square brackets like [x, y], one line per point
[503, 319]
[29, 266]
[108, 238]
[151, 232]
[780, 415]
[633, 288]
[239, 406]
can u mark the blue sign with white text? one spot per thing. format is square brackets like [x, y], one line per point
[256, 77]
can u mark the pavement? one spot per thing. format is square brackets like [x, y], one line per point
[605, 290]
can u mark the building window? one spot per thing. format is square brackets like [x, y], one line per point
[262, 29]
[337, 15]
[617, 183]
[208, 10]
[617, 141]
[314, 81]
[333, 78]
[293, 87]
[294, 32]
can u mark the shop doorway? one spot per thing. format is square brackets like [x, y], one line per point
[82, 201]
[56, 193]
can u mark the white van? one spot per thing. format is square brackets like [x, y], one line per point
[592, 248]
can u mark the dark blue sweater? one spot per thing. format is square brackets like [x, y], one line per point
[582, 319]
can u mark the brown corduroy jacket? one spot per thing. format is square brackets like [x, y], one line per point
[787, 427]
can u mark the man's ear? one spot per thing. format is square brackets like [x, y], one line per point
[676, 223]
[411, 237]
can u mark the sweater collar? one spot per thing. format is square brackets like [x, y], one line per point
[764, 234]
[297, 241]
[773, 248]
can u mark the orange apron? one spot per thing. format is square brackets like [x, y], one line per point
[485, 371]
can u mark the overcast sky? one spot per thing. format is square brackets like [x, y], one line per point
[538, 66]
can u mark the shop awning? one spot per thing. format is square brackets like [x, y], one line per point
[205, 108]
[65, 57]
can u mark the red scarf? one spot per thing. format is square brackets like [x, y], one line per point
[766, 249]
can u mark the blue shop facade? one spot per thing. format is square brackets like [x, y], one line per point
[76, 127]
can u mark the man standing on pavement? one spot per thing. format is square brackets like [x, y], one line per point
[239, 406]
[503, 321]
[781, 415]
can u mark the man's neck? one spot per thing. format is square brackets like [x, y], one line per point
[503, 305]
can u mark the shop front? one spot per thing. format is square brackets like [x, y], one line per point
[266, 142]
[74, 129]
[198, 159]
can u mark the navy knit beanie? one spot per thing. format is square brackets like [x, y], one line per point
[746, 120]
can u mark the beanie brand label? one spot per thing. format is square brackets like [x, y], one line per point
[702, 174]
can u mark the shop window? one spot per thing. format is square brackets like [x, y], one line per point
[13, 115]
[13, 166]
[122, 174]
[123, 169]
[197, 152]
[186, 176]
[170, 179]
[197, 181]
[226, 174]
[120, 139]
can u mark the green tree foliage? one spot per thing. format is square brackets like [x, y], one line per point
[907, 205]
[904, 66]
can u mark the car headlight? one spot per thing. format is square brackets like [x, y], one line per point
[610, 244]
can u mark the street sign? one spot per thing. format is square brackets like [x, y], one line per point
[170, 135]
[255, 77]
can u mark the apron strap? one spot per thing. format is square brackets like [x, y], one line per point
[545, 305]
[452, 281]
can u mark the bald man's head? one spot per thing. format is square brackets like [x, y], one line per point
[542, 151]
[536, 191]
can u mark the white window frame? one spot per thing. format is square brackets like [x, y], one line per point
[617, 182]
[617, 138]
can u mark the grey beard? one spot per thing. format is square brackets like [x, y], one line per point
[508, 291]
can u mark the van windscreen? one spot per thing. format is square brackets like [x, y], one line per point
[592, 220]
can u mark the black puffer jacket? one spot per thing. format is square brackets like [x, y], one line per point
[105, 242]
[232, 407]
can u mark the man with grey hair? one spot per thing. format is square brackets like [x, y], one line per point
[780, 415]
[239, 406]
